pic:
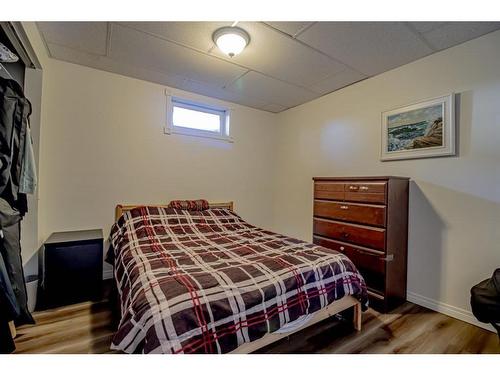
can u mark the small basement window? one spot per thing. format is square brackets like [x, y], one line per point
[192, 118]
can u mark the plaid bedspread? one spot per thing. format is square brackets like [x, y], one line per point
[207, 281]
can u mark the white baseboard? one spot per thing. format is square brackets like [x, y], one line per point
[443, 308]
[107, 274]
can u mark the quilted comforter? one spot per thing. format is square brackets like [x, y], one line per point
[208, 282]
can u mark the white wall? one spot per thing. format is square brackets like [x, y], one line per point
[103, 144]
[30, 239]
[454, 235]
[29, 225]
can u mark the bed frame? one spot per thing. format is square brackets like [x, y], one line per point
[334, 308]
[340, 306]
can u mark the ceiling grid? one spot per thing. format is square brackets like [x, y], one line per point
[285, 64]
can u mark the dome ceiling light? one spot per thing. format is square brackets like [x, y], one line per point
[231, 40]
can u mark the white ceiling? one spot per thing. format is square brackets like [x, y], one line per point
[285, 64]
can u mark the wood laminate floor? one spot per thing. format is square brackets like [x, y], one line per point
[87, 328]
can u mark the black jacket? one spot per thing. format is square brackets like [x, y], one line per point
[15, 110]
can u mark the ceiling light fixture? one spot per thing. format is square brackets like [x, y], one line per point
[231, 40]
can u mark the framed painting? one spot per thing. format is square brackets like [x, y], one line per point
[421, 130]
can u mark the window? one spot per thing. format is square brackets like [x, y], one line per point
[191, 118]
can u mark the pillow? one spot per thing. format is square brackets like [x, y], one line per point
[193, 205]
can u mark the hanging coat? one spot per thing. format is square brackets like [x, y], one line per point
[12, 287]
[14, 115]
[10, 251]
[15, 110]
[9, 310]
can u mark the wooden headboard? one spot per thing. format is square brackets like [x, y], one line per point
[121, 208]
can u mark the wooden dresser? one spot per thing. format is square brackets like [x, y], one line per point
[366, 218]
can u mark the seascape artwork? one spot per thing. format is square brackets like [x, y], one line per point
[415, 129]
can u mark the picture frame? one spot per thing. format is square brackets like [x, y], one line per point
[421, 130]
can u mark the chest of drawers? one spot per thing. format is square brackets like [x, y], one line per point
[366, 218]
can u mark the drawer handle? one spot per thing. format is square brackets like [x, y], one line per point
[344, 234]
[342, 248]
[344, 207]
[353, 187]
[388, 258]
[363, 188]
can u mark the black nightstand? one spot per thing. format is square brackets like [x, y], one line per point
[72, 267]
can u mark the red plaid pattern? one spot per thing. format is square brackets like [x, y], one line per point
[208, 282]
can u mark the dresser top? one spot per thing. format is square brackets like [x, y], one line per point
[75, 236]
[357, 178]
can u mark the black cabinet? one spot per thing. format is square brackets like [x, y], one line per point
[72, 267]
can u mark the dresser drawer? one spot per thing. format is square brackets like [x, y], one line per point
[362, 258]
[370, 192]
[357, 213]
[357, 234]
[329, 190]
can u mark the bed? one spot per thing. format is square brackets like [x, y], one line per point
[199, 279]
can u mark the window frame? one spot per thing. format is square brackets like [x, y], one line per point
[223, 113]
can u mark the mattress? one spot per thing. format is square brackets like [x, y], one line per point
[207, 281]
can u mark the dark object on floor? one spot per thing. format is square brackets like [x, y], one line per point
[485, 300]
[72, 269]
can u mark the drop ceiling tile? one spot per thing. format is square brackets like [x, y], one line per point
[275, 108]
[194, 34]
[171, 80]
[369, 47]
[113, 66]
[290, 28]
[454, 33]
[277, 55]
[136, 48]
[423, 27]
[89, 37]
[271, 90]
[292, 72]
[223, 94]
[337, 81]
